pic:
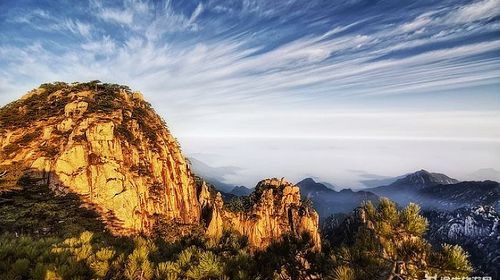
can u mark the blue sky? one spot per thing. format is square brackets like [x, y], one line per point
[425, 72]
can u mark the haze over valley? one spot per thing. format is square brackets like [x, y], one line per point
[346, 163]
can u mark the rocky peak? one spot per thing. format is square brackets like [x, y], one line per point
[309, 185]
[272, 183]
[275, 189]
[105, 143]
[273, 209]
[423, 178]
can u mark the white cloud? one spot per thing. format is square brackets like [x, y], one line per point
[77, 27]
[29, 16]
[43, 20]
[117, 16]
[196, 13]
[105, 45]
[479, 10]
[339, 29]
[418, 23]
[229, 70]
[120, 15]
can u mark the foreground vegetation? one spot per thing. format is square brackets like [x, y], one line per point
[61, 241]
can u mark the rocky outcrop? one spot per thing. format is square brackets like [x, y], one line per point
[273, 209]
[476, 229]
[106, 144]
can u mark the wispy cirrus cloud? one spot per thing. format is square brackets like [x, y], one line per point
[43, 20]
[475, 11]
[104, 46]
[338, 60]
[119, 14]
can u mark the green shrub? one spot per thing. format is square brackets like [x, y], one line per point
[53, 87]
[80, 138]
[10, 148]
[28, 137]
[239, 204]
[35, 107]
[125, 132]
[138, 264]
[168, 270]
[49, 151]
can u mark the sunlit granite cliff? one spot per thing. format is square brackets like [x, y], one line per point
[105, 143]
[273, 209]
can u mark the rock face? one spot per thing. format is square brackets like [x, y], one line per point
[106, 144]
[477, 229]
[273, 209]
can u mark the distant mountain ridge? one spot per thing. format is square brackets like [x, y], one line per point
[241, 191]
[485, 174]
[309, 186]
[327, 201]
[213, 175]
[377, 182]
[438, 191]
[469, 193]
[417, 180]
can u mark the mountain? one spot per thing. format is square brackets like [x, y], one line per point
[476, 229]
[241, 191]
[384, 181]
[404, 189]
[309, 187]
[438, 191]
[104, 143]
[331, 186]
[461, 213]
[485, 174]
[327, 201]
[213, 175]
[416, 181]
[102, 146]
[462, 194]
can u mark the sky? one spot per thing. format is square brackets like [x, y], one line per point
[337, 90]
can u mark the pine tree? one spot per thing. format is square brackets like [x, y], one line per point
[138, 265]
[389, 244]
